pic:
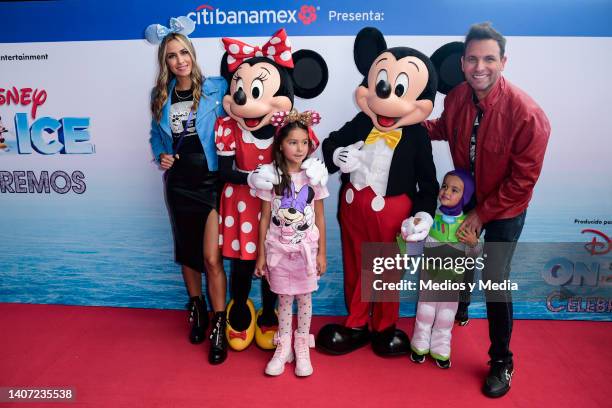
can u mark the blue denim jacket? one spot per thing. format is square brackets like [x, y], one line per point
[210, 108]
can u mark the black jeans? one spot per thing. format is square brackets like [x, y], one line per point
[500, 238]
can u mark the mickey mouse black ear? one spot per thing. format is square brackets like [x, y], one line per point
[447, 61]
[368, 44]
[309, 74]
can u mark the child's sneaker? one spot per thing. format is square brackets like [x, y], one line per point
[443, 363]
[462, 320]
[417, 358]
[282, 355]
[302, 344]
[462, 317]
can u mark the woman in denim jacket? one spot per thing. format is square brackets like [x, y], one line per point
[185, 106]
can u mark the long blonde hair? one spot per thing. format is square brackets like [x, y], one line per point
[160, 94]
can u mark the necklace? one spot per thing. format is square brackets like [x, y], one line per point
[190, 96]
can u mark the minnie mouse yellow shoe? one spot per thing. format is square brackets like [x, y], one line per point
[239, 340]
[264, 335]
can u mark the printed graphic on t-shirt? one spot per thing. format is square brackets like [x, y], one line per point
[179, 113]
[473, 143]
[293, 215]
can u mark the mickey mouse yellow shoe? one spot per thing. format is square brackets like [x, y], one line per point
[240, 340]
[264, 335]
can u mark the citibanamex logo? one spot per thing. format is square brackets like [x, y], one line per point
[207, 14]
[308, 14]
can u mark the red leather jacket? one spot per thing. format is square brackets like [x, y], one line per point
[510, 147]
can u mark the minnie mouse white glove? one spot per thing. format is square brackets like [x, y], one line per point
[315, 171]
[413, 232]
[349, 158]
[264, 177]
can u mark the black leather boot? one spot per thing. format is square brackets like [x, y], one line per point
[218, 342]
[198, 320]
[338, 339]
[390, 342]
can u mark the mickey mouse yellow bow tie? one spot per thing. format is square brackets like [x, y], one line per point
[391, 138]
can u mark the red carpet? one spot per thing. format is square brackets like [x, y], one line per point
[117, 357]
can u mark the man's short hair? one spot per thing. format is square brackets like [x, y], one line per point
[484, 31]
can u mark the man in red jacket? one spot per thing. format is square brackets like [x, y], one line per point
[500, 134]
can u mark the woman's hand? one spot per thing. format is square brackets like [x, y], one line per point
[166, 161]
[260, 266]
[321, 263]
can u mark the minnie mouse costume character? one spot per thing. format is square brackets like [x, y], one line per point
[263, 80]
[384, 154]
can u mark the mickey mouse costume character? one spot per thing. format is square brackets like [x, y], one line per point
[263, 81]
[384, 154]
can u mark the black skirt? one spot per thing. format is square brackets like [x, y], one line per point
[192, 192]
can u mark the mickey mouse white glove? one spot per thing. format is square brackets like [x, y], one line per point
[407, 227]
[264, 177]
[412, 232]
[349, 158]
[315, 171]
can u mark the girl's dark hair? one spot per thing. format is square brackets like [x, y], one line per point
[279, 159]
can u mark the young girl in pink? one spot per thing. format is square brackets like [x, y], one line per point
[292, 228]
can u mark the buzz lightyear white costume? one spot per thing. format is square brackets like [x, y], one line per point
[434, 319]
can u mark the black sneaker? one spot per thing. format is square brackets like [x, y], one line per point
[499, 378]
[443, 363]
[462, 315]
[218, 341]
[417, 358]
[198, 320]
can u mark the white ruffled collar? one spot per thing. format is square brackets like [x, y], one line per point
[247, 137]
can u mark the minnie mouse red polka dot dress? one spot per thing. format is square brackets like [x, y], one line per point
[240, 209]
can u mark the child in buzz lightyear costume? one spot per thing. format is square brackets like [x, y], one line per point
[436, 310]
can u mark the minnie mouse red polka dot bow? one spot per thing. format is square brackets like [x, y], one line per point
[278, 48]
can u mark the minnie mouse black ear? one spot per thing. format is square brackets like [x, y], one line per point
[224, 68]
[309, 74]
[447, 61]
[369, 43]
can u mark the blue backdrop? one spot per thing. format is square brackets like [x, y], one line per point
[83, 221]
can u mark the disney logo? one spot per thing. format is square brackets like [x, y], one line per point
[596, 247]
